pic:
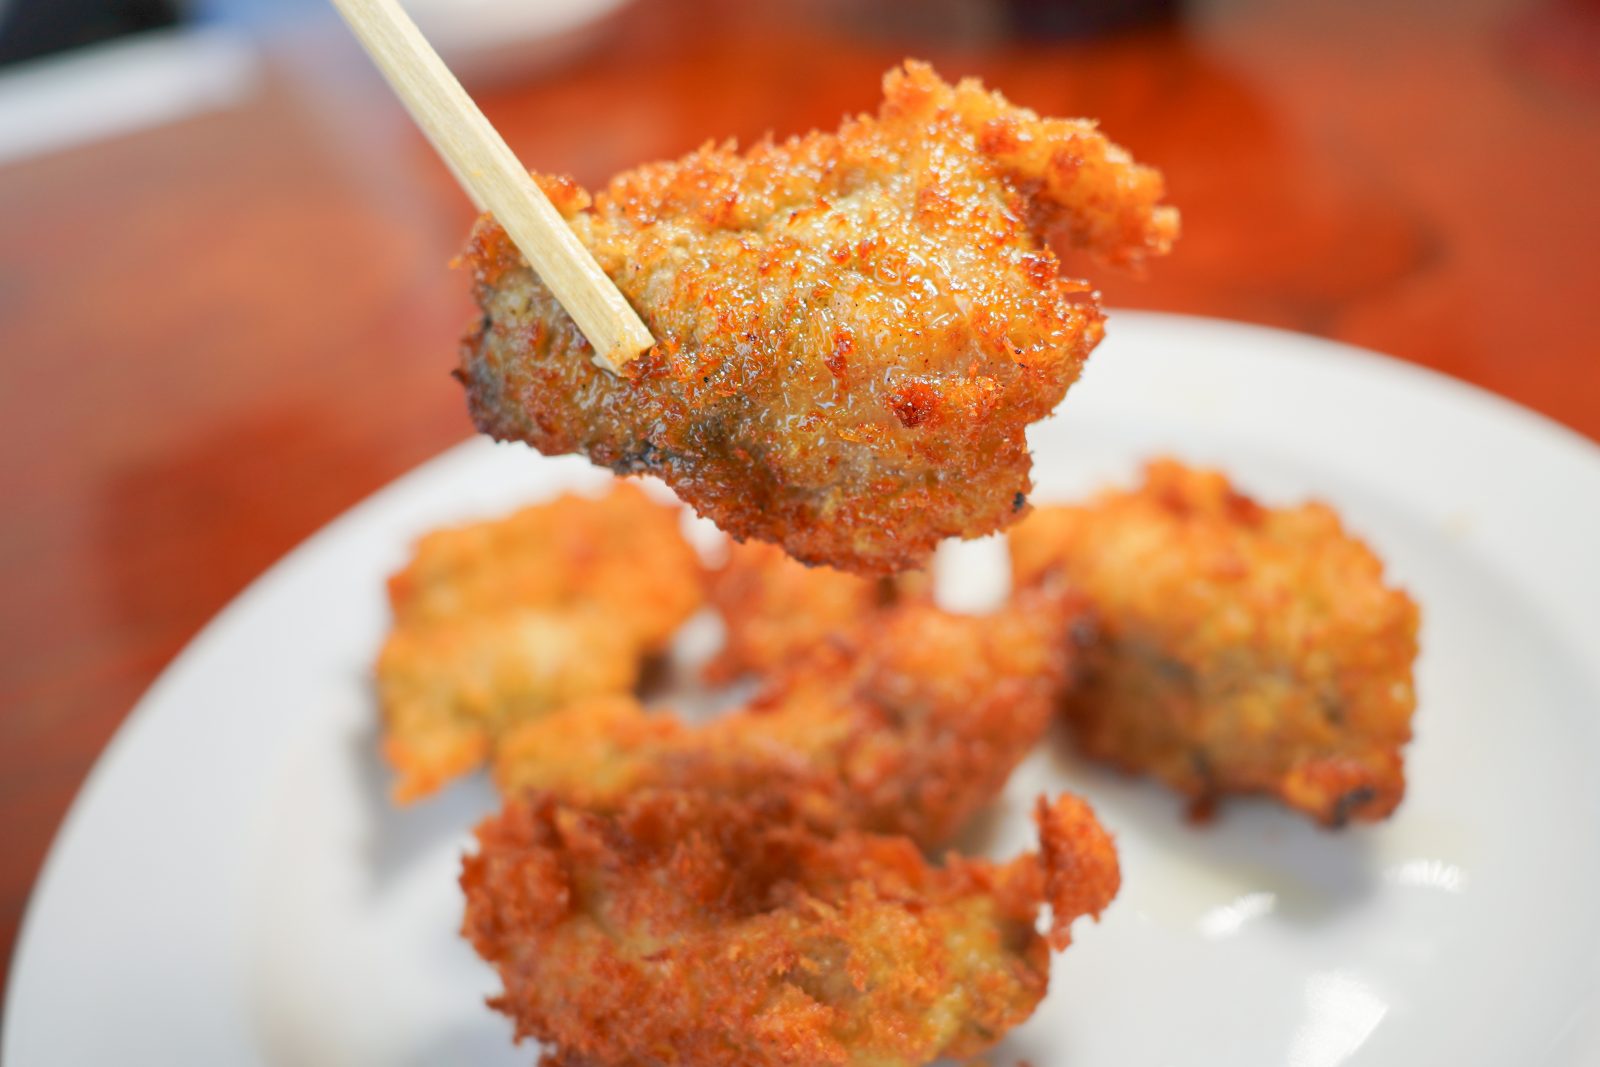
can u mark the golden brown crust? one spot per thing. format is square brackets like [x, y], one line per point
[1078, 862]
[775, 609]
[687, 928]
[1241, 649]
[497, 623]
[909, 730]
[854, 329]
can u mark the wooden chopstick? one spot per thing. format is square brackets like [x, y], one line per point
[496, 182]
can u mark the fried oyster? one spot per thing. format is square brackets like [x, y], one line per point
[1240, 649]
[691, 928]
[909, 728]
[775, 609]
[854, 329]
[499, 622]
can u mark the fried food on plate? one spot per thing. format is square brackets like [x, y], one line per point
[775, 609]
[909, 730]
[497, 623]
[687, 927]
[620, 552]
[1241, 649]
[854, 329]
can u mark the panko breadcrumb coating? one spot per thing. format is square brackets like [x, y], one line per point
[688, 928]
[497, 623]
[854, 329]
[774, 609]
[910, 729]
[1241, 649]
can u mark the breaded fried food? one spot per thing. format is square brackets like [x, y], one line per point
[497, 623]
[908, 730]
[775, 608]
[1240, 649]
[619, 552]
[451, 690]
[691, 928]
[854, 329]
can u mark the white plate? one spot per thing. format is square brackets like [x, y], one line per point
[231, 887]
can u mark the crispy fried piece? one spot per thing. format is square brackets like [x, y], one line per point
[621, 553]
[775, 609]
[910, 730]
[1241, 649]
[497, 623]
[692, 928]
[450, 690]
[854, 329]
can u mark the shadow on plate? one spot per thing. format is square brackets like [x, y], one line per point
[1250, 846]
[401, 836]
[483, 1044]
